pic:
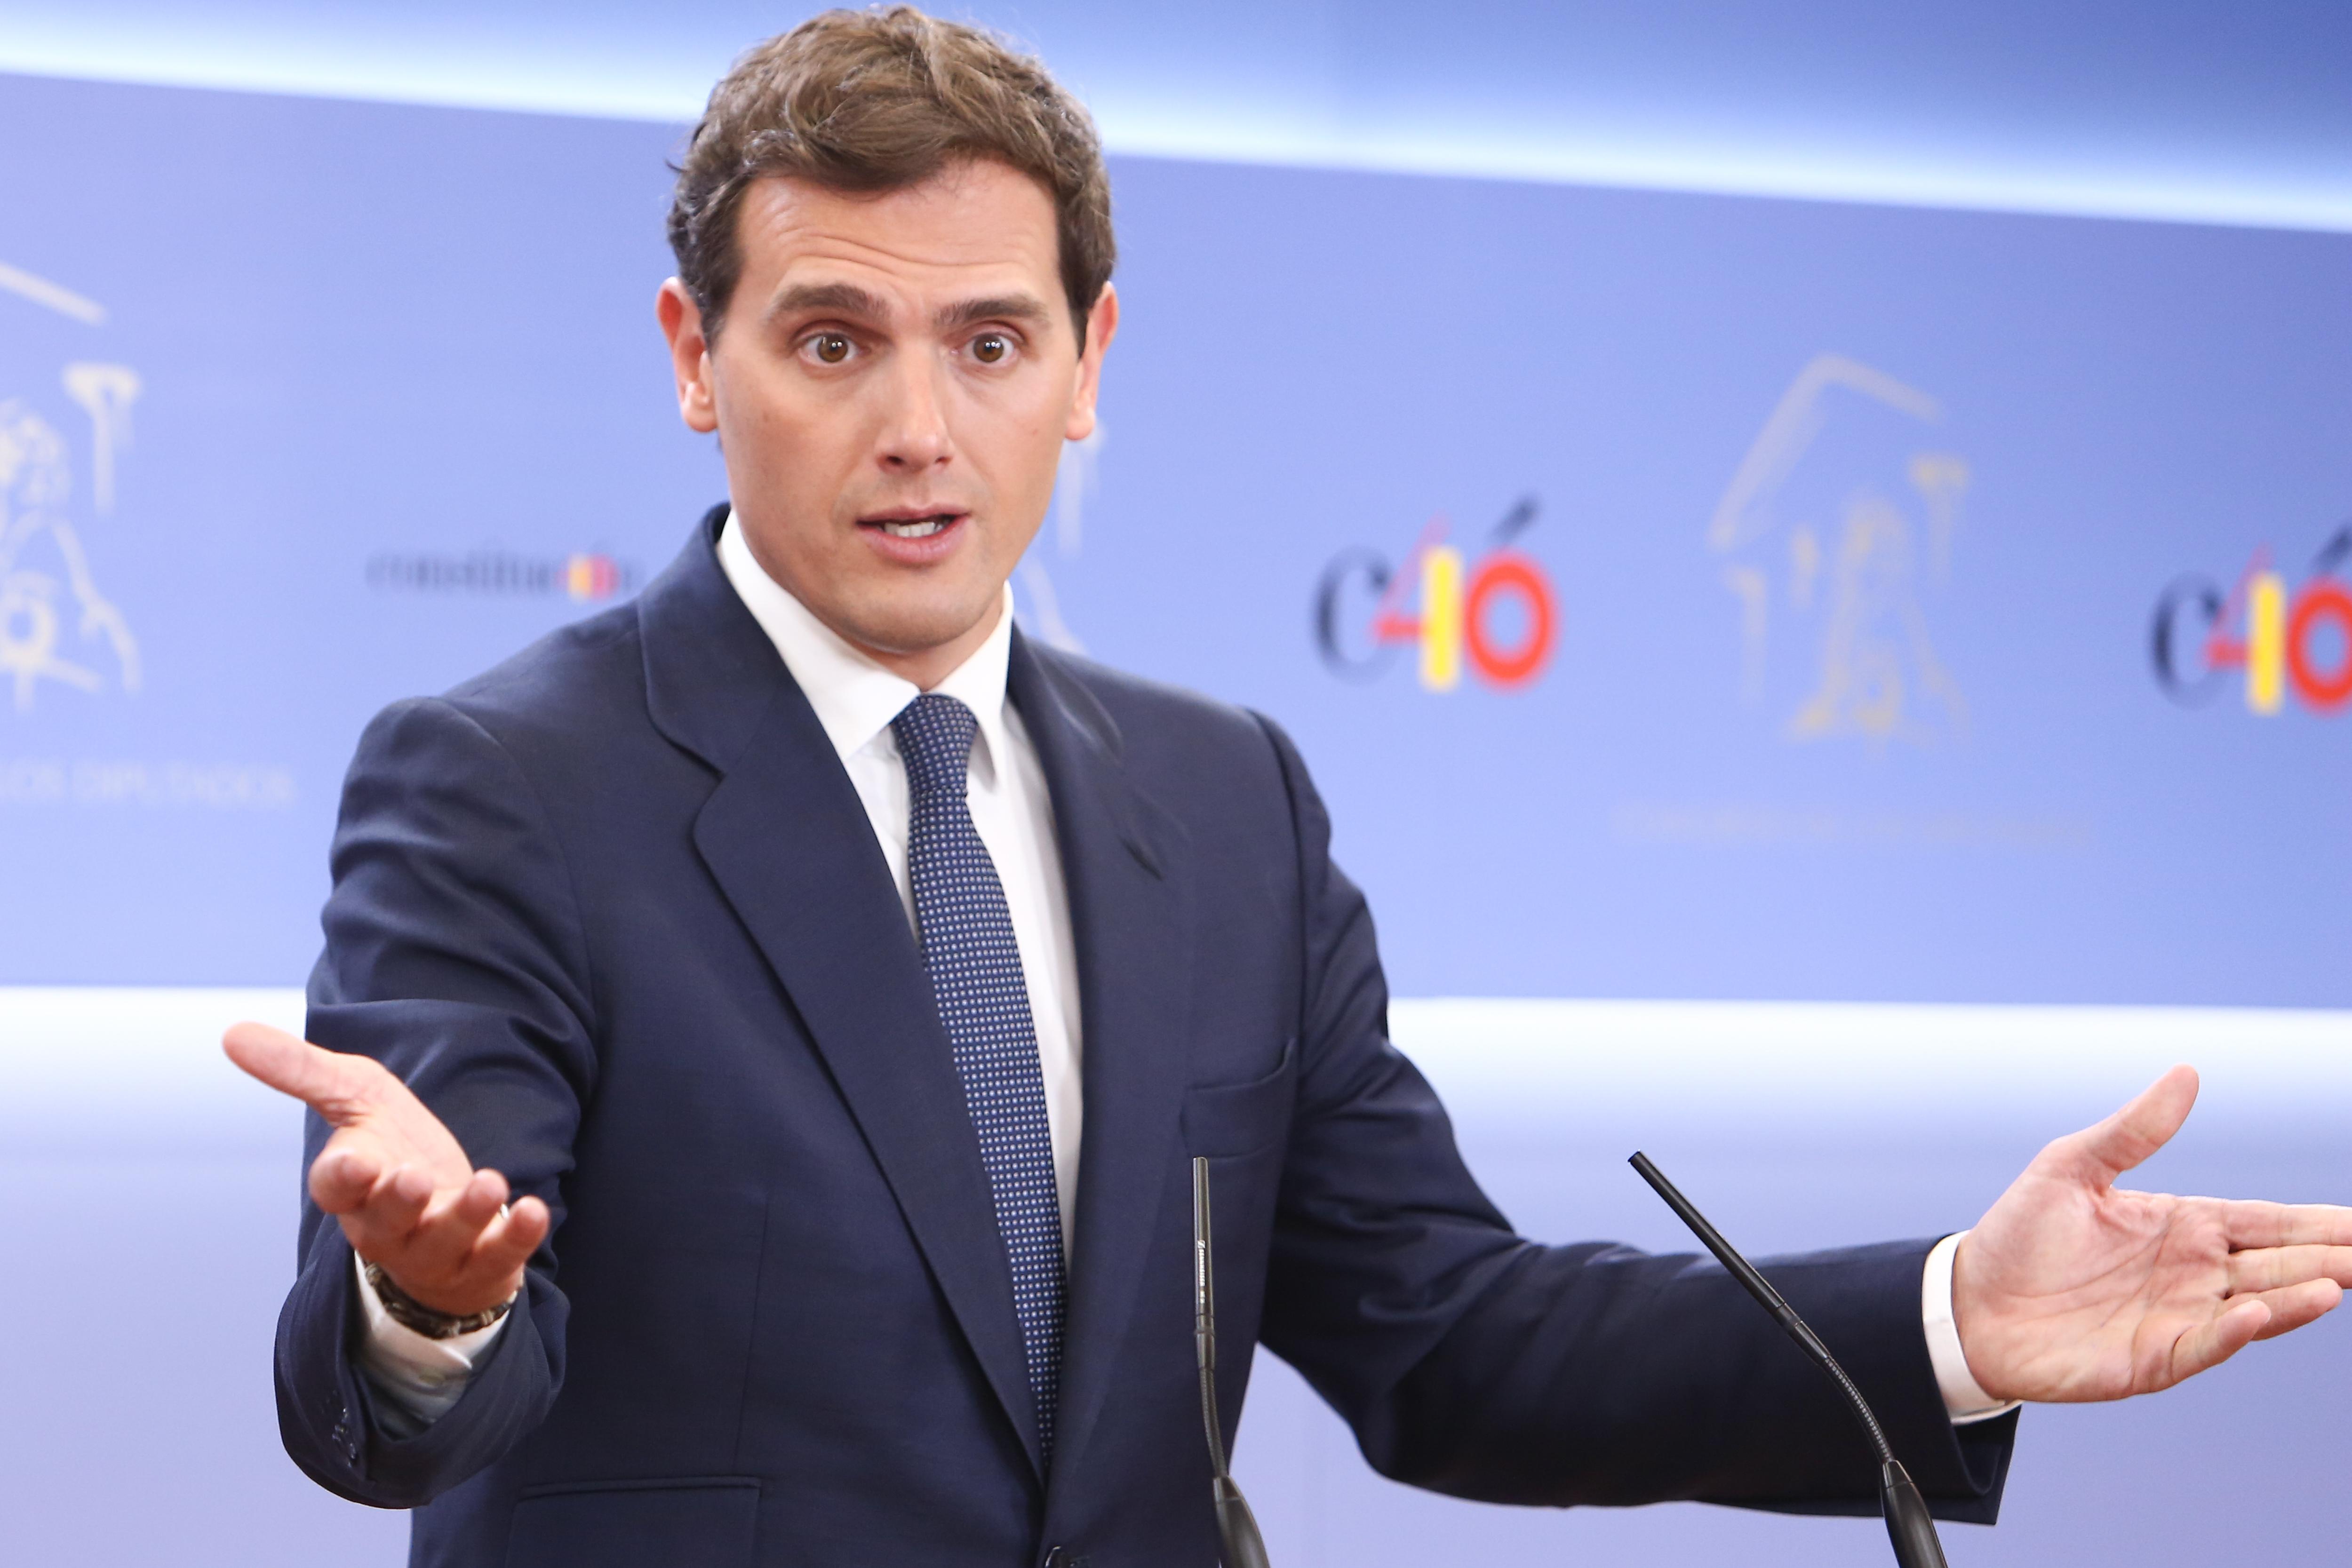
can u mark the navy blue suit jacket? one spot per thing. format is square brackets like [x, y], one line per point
[615, 912]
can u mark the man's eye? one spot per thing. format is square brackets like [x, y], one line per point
[830, 347]
[991, 347]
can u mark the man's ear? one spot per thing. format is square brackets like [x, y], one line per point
[1102, 325]
[690, 355]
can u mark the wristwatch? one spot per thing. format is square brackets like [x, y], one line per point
[411, 1313]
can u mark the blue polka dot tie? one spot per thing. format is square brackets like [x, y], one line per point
[975, 970]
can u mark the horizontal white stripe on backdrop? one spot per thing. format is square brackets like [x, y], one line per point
[110, 1066]
[75, 1061]
[1507, 1064]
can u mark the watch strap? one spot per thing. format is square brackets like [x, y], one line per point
[432, 1323]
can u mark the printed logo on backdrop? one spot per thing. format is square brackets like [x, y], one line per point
[59, 633]
[2268, 634]
[1834, 539]
[64, 640]
[1489, 608]
[501, 574]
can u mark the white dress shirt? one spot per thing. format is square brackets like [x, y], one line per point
[856, 699]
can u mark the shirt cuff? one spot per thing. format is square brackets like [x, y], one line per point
[418, 1378]
[1964, 1401]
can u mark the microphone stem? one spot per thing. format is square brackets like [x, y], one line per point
[1757, 1286]
[1910, 1526]
[1205, 1318]
[1239, 1545]
[1217, 1466]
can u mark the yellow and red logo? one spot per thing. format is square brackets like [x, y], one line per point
[592, 577]
[2284, 636]
[1497, 612]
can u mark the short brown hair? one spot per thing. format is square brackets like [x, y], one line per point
[876, 101]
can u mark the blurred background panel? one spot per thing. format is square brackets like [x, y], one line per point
[1807, 548]
[2183, 107]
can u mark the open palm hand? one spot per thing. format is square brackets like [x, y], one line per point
[2070, 1288]
[396, 1178]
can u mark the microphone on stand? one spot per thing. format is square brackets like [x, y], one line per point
[1909, 1524]
[1241, 1545]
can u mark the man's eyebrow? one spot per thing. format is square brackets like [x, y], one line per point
[845, 298]
[1025, 307]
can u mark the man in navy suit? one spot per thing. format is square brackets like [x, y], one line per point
[763, 1030]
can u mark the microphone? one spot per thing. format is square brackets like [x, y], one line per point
[1242, 1547]
[1909, 1524]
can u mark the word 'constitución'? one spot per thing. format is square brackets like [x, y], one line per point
[216, 786]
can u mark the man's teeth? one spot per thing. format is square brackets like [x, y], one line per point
[920, 528]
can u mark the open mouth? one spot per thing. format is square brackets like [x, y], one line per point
[916, 528]
[914, 525]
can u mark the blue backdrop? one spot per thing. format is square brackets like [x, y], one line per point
[1679, 597]
[1850, 529]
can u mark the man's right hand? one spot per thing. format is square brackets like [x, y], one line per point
[394, 1176]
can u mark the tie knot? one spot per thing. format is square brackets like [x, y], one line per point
[935, 737]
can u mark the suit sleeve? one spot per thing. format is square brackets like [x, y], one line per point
[453, 955]
[1472, 1361]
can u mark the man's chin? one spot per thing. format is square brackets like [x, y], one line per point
[898, 633]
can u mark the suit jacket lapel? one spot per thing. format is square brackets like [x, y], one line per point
[1127, 869]
[788, 843]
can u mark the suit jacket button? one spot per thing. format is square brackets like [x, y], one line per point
[1056, 1558]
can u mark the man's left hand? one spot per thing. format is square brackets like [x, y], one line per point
[2071, 1290]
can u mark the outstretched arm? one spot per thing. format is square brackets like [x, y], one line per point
[451, 1000]
[2071, 1289]
[1472, 1361]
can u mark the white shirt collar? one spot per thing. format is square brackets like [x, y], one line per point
[855, 698]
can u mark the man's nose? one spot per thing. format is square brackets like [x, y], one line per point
[914, 432]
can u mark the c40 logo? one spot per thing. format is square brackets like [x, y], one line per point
[2282, 635]
[1496, 610]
